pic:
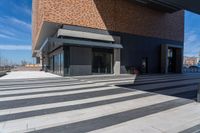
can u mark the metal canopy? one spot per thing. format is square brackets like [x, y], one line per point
[172, 5]
[83, 43]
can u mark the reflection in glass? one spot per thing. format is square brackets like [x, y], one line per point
[57, 63]
[171, 60]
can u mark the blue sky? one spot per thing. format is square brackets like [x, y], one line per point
[15, 31]
[192, 34]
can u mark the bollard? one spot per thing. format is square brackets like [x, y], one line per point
[198, 93]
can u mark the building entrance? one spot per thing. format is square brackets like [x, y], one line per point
[102, 61]
[171, 60]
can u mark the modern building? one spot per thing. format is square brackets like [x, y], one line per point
[82, 37]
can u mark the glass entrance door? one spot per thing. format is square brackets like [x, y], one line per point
[144, 65]
[171, 60]
[102, 61]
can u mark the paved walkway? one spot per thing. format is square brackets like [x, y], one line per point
[180, 85]
[27, 75]
[90, 104]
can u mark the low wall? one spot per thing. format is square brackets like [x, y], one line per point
[2, 73]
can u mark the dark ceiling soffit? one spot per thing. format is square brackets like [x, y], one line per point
[159, 5]
[84, 43]
[191, 5]
[172, 5]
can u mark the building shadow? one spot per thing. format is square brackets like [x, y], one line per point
[137, 29]
[179, 85]
[125, 16]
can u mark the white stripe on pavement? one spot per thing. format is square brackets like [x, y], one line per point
[46, 121]
[42, 85]
[68, 103]
[55, 94]
[49, 89]
[159, 122]
[105, 80]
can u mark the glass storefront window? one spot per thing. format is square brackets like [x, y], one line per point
[51, 63]
[57, 63]
[61, 63]
[102, 61]
[66, 61]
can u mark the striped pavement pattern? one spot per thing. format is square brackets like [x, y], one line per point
[97, 104]
[179, 85]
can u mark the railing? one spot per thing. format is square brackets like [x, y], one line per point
[198, 93]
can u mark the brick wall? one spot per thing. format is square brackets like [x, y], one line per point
[37, 19]
[116, 15]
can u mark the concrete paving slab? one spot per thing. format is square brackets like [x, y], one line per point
[99, 104]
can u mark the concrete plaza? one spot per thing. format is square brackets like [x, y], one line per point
[97, 104]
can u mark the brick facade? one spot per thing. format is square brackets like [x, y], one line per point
[115, 15]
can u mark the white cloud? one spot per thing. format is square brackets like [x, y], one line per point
[14, 32]
[5, 36]
[191, 37]
[192, 44]
[12, 37]
[28, 11]
[15, 22]
[15, 47]
[20, 22]
[22, 7]
[6, 32]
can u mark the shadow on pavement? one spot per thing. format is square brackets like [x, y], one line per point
[179, 85]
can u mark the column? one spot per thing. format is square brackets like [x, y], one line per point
[117, 63]
[164, 58]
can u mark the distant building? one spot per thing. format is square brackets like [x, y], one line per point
[190, 61]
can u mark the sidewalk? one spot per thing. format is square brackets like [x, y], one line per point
[28, 75]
